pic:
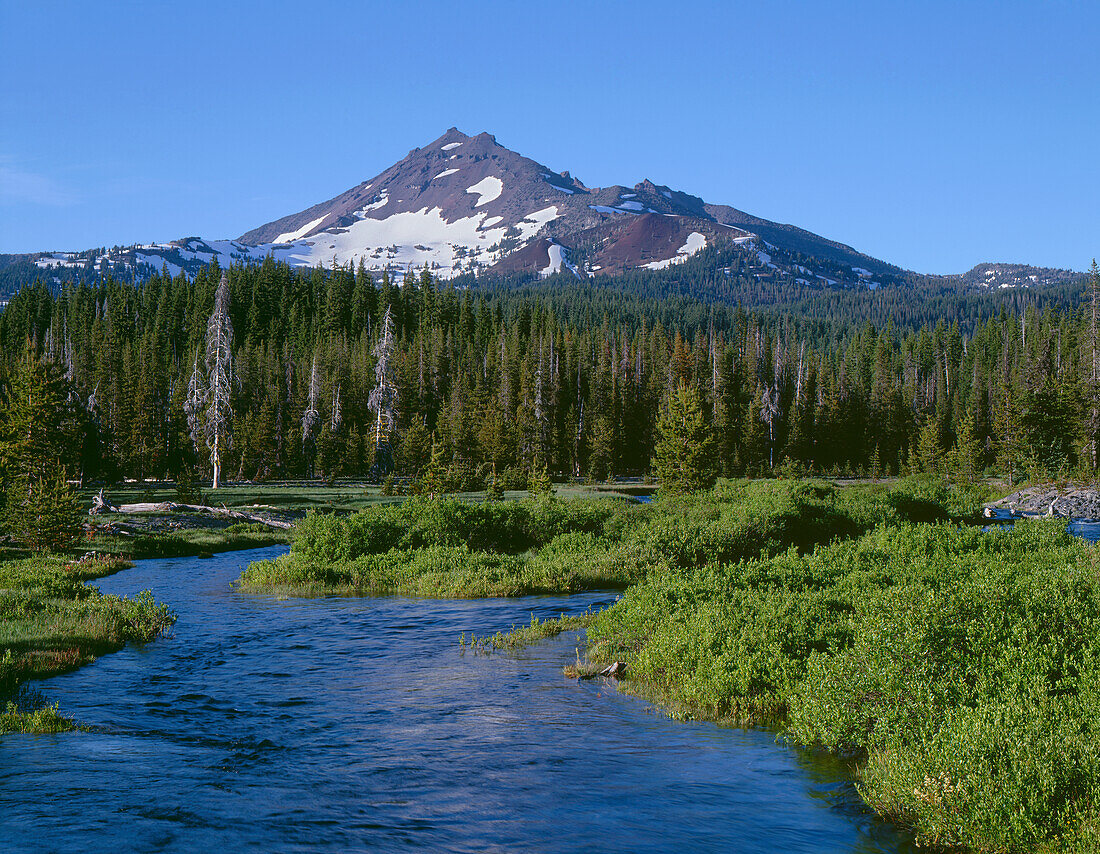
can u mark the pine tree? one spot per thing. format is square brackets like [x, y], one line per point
[929, 450]
[42, 513]
[416, 448]
[538, 481]
[682, 455]
[40, 507]
[601, 452]
[968, 449]
[494, 490]
[433, 481]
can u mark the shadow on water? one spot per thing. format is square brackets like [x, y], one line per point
[337, 724]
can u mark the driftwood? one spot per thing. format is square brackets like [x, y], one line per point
[101, 504]
[612, 671]
[1072, 502]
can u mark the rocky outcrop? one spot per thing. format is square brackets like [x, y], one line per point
[1070, 502]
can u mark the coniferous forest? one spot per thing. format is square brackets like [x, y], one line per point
[489, 380]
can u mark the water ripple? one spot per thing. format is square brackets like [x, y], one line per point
[360, 724]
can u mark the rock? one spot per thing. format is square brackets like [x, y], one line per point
[1072, 502]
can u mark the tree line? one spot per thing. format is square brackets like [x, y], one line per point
[331, 372]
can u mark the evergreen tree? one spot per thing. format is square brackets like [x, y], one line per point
[433, 481]
[601, 452]
[538, 481]
[968, 449]
[40, 507]
[927, 455]
[682, 455]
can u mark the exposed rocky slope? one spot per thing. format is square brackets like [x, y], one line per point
[465, 204]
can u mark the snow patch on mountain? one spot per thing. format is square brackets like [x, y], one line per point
[417, 238]
[373, 206]
[695, 242]
[158, 263]
[444, 174]
[291, 236]
[488, 188]
[556, 252]
[450, 145]
[531, 224]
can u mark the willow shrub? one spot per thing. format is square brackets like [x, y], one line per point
[510, 527]
[563, 546]
[960, 667]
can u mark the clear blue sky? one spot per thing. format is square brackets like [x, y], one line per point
[933, 135]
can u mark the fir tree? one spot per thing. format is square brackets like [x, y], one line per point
[40, 507]
[682, 456]
[538, 481]
[968, 449]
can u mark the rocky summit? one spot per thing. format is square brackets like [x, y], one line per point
[469, 205]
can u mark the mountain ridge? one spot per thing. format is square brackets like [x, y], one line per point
[466, 204]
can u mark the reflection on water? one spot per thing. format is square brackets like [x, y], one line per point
[1086, 529]
[352, 724]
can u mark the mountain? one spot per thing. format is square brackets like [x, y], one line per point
[1017, 276]
[466, 204]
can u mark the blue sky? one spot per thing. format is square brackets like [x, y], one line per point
[932, 135]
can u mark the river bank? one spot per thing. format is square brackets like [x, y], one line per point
[360, 724]
[950, 664]
[865, 621]
[1050, 500]
[53, 622]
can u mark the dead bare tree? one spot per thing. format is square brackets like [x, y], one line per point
[311, 417]
[209, 405]
[769, 409]
[383, 398]
[1094, 379]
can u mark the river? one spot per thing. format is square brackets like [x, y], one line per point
[346, 724]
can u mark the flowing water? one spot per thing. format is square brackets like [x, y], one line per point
[360, 724]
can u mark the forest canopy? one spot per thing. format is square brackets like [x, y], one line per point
[499, 376]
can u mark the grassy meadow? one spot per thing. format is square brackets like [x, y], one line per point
[449, 548]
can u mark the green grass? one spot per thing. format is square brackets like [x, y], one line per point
[191, 541]
[44, 719]
[341, 496]
[51, 622]
[456, 549]
[533, 632]
[450, 549]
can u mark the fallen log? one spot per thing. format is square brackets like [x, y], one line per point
[100, 504]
